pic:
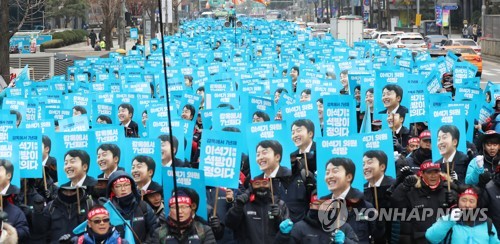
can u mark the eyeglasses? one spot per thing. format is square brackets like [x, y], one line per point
[98, 221]
[124, 186]
[181, 207]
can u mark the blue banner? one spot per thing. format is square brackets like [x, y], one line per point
[221, 158]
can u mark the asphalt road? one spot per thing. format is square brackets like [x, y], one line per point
[491, 71]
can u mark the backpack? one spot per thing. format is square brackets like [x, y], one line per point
[447, 238]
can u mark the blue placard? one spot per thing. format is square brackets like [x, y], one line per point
[190, 178]
[339, 116]
[221, 158]
[338, 147]
[10, 151]
[266, 134]
[75, 123]
[30, 151]
[133, 147]
[83, 142]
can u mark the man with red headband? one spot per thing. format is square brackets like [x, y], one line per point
[99, 229]
[186, 229]
[425, 191]
[256, 215]
[465, 224]
[124, 195]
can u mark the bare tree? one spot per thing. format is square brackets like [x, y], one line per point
[107, 16]
[150, 7]
[27, 9]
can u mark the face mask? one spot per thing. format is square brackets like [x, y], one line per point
[97, 193]
[262, 192]
[313, 214]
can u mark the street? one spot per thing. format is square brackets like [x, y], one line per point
[491, 72]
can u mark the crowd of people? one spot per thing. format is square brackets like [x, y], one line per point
[451, 199]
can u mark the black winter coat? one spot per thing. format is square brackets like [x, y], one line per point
[251, 222]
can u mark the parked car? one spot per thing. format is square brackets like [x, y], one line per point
[467, 53]
[412, 42]
[384, 37]
[463, 42]
[435, 41]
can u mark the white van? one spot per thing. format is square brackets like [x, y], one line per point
[209, 15]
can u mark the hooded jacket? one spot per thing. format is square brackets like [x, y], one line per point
[462, 232]
[60, 217]
[140, 214]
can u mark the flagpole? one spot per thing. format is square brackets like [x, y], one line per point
[168, 107]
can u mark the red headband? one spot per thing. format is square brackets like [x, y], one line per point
[180, 200]
[469, 192]
[97, 211]
[414, 140]
[259, 180]
[314, 198]
[121, 180]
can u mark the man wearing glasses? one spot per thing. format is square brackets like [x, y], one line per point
[123, 193]
[99, 229]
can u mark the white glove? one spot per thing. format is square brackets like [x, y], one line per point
[453, 175]
[396, 155]
[455, 214]
[480, 161]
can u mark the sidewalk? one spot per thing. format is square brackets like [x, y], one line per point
[82, 50]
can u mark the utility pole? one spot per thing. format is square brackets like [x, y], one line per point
[388, 14]
[483, 13]
[121, 25]
[352, 7]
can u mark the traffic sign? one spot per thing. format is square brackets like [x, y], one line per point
[451, 7]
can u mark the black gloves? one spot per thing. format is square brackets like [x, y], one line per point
[484, 178]
[242, 199]
[214, 222]
[275, 210]
[410, 181]
[451, 198]
[403, 172]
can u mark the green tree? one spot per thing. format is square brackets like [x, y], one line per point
[67, 9]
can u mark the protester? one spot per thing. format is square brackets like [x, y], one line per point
[483, 165]
[124, 195]
[426, 190]
[182, 230]
[418, 156]
[61, 215]
[99, 229]
[490, 198]
[311, 231]
[461, 221]
[256, 215]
